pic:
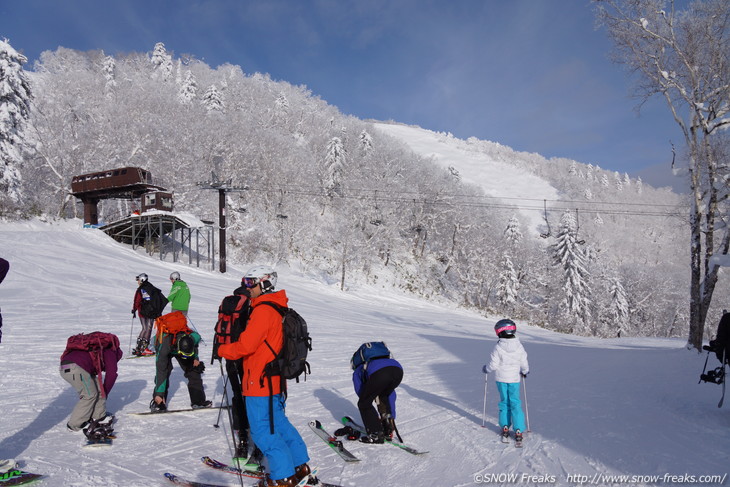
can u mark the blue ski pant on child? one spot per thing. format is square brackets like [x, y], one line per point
[510, 406]
[285, 450]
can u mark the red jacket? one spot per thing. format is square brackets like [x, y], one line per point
[264, 323]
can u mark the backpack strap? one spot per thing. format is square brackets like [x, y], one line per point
[282, 311]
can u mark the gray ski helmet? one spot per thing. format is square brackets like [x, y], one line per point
[185, 346]
[505, 328]
[142, 277]
[175, 276]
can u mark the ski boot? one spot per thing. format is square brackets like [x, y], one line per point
[505, 434]
[518, 438]
[373, 438]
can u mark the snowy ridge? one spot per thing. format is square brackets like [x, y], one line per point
[496, 178]
[597, 408]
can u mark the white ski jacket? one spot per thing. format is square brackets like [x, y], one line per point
[508, 360]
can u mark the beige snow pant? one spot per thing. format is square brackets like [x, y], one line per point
[92, 404]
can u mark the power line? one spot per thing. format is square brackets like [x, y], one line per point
[473, 201]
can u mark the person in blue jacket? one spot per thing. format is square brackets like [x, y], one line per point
[376, 381]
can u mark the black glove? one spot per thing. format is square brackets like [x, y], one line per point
[524, 375]
[200, 368]
[134, 313]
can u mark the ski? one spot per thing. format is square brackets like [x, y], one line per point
[333, 442]
[188, 483]
[348, 421]
[244, 472]
[170, 411]
[18, 477]
[314, 481]
[104, 442]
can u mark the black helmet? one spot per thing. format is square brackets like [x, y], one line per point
[142, 277]
[186, 346]
[505, 328]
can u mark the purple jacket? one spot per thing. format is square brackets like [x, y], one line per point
[83, 360]
[4, 266]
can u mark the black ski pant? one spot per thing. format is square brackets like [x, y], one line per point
[234, 369]
[379, 386]
[164, 369]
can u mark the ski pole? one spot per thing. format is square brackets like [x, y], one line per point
[131, 332]
[527, 411]
[484, 410]
[224, 396]
[196, 330]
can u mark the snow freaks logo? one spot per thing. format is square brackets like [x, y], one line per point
[598, 479]
[513, 478]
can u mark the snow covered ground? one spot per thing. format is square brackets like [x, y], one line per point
[596, 408]
[498, 179]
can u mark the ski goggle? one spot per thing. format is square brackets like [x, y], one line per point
[249, 282]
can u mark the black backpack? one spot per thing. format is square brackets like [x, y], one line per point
[291, 361]
[232, 317]
[153, 307]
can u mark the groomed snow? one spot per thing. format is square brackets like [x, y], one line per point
[596, 407]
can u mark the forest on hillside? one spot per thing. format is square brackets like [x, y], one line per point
[331, 195]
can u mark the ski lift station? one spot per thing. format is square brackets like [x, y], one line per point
[152, 224]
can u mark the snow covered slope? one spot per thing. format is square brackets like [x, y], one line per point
[596, 407]
[498, 179]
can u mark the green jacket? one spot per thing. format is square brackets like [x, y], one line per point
[179, 296]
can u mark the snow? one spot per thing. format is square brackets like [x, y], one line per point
[498, 179]
[596, 407]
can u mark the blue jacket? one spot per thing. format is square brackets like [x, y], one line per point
[361, 373]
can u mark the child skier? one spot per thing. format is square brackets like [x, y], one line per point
[509, 362]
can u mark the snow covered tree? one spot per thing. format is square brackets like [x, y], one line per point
[571, 259]
[212, 100]
[684, 57]
[619, 306]
[366, 141]
[508, 284]
[107, 68]
[334, 166]
[15, 98]
[512, 232]
[188, 89]
[161, 62]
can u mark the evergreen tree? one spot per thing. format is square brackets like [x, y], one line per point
[108, 68]
[15, 98]
[366, 142]
[572, 260]
[161, 62]
[512, 232]
[619, 306]
[508, 283]
[334, 166]
[188, 89]
[212, 100]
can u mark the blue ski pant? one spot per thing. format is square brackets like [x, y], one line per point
[510, 406]
[284, 449]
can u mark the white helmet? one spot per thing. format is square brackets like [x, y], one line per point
[175, 276]
[260, 274]
[142, 277]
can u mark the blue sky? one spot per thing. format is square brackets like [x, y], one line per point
[530, 74]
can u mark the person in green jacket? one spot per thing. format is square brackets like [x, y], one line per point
[179, 296]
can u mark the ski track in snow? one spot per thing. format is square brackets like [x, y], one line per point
[595, 406]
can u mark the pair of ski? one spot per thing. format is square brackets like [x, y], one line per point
[248, 470]
[505, 439]
[337, 446]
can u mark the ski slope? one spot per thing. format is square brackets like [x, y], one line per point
[597, 408]
[497, 179]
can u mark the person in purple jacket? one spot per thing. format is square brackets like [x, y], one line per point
[78, 369]
[375, 381]
[4, 267]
